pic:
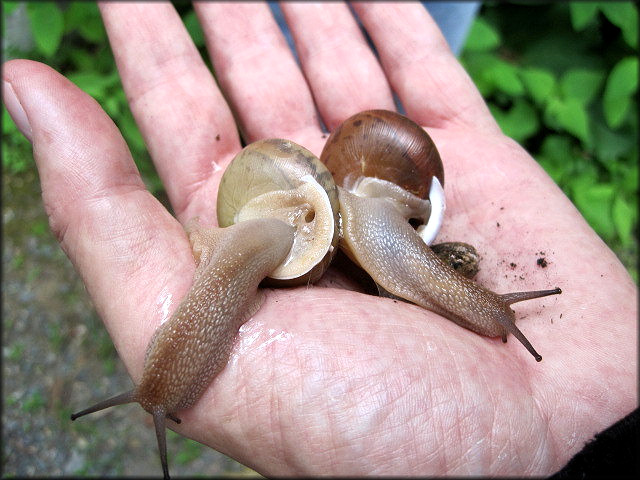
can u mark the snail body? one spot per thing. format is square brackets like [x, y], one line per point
[277, 219]
[376, 232]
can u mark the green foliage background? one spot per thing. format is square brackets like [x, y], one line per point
[560, 78]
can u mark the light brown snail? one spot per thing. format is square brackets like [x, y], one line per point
[277, 206]
[386, 166]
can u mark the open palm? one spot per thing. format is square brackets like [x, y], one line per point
[327, 380]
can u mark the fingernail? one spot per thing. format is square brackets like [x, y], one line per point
[14, 107]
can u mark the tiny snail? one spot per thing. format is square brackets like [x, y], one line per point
[385, 166]
[277, 206]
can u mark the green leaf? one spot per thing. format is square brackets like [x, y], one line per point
[559, 49]
[569, 115]
[595, 204]
[555, 171]
[115, 103]
[476, 64]
[112, 106]
[558, 147]
[16, 157]
[130, 131]
[92, 30]
[9, 7]
[94, 83]
[582, 14]
[193, 27]
[621, 85]
[610, 145]
[82, 59]
[629, 183]
[540, 83]
[623, 15]
[623, 79]
[482, 36]
[489, 72]
[624, 218]
[47, 26]
[504, 77]
[581, 84]
[615, 109]
[556, 156]
[520, 122]
[85, 18]
[33, 403]
[8, 126]
[74, 15]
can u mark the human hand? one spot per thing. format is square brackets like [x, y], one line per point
[326, 380]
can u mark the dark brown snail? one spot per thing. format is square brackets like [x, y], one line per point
[378, 195]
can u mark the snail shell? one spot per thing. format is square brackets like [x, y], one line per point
[374, 152]
[385, 145]
[281, 179]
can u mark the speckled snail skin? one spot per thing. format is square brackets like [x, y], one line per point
[385, 166]
[278, 206]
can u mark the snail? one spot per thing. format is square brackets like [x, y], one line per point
[389, 171]
[277, 210]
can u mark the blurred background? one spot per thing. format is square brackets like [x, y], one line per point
[560, 78]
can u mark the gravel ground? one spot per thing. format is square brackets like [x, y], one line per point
[53, 366]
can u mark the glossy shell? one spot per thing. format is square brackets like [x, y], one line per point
[268, 166]
[386, 145]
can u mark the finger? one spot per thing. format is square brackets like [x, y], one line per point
[117, 235]
[182, 115]
[257, 72]
[342, 71]
[431, 84]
